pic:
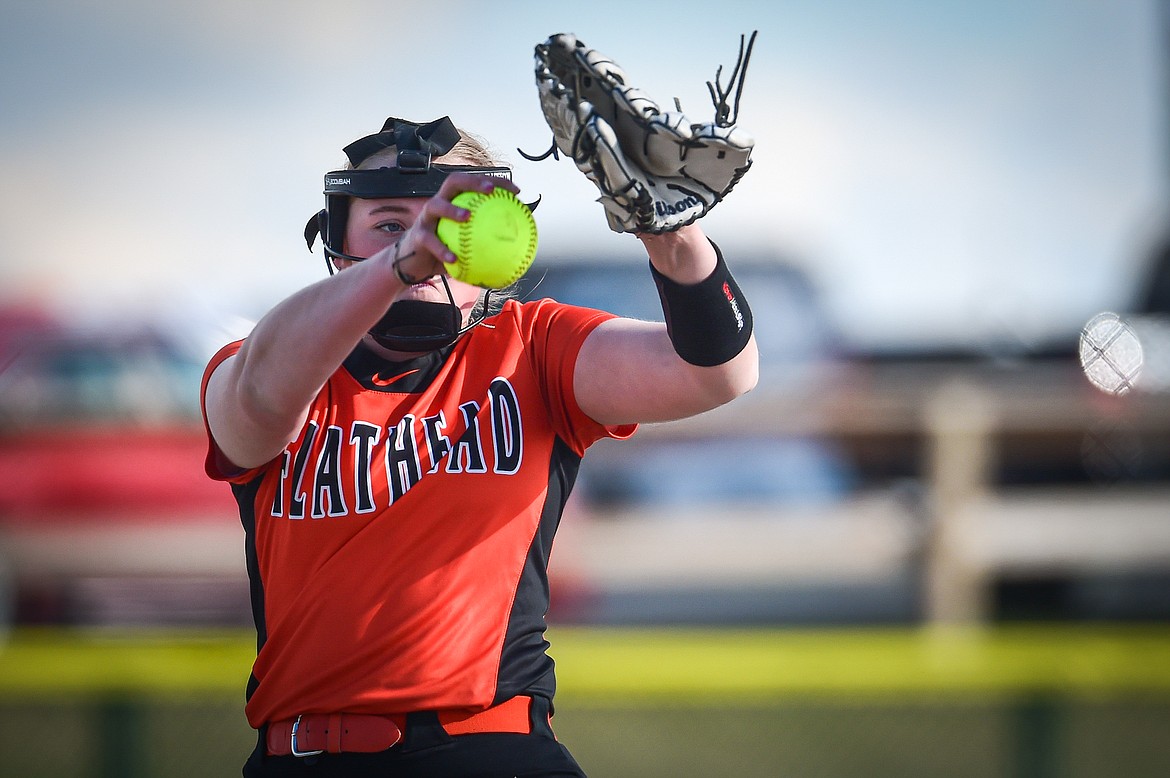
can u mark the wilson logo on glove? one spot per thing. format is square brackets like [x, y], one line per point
[656, 170]
[666, 209]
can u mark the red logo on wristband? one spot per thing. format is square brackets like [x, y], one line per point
[734, 306]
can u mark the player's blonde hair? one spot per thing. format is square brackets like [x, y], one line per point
[470, 149]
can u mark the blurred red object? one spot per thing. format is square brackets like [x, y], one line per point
[86, 474]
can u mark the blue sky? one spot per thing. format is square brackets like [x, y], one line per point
[945, 172]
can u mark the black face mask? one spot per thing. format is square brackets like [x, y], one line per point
[417, 326]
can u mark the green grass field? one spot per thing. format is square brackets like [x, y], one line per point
[1032, 702]
[672, 664]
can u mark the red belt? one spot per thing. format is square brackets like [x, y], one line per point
[334, 733]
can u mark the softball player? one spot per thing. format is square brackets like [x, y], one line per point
[401, 446]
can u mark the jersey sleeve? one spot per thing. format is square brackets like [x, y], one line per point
[556, 332]
[216, 464]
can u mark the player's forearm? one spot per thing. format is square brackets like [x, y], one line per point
[684, 255]
[708, 318]
[296, 347]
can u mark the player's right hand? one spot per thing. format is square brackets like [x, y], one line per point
[419, 254]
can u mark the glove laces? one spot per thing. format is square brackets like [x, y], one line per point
[725, 115]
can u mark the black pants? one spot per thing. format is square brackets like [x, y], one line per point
[427, 750]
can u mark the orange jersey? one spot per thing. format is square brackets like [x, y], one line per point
[398, 547]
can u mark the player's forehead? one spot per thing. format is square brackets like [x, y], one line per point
[388, 206]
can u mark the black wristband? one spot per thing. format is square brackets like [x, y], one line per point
[708, 322]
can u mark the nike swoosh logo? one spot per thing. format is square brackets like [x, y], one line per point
[377, 380]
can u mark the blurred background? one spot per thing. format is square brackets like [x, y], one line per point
[934, 541]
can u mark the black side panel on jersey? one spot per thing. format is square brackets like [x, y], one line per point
[525, 666]
[246, 497]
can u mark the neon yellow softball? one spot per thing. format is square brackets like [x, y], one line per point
[496, 245]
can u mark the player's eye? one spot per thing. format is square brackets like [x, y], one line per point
[391, 227]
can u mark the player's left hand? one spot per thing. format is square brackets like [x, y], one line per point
[656, 170]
